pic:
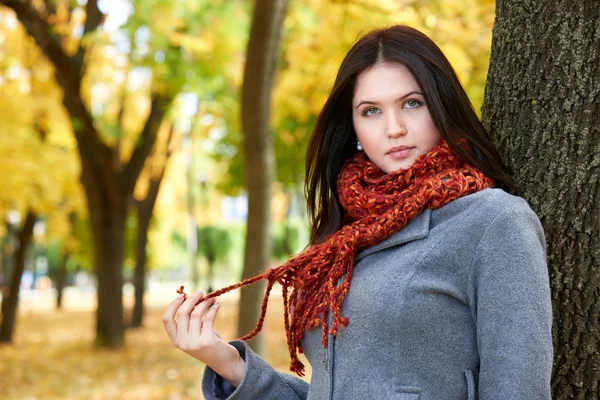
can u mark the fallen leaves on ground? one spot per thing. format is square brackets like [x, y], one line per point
[53, 357]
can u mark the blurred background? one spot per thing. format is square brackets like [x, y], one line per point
[123, 176]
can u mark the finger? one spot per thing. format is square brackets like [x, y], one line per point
[183, 315]
[168, 318]
[208, 325]
[196, 320]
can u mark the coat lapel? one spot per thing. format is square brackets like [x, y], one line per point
[418, 228]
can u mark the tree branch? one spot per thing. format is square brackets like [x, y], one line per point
[49, 9]
[42, 32]
[147, 204]
[145, 143]
[95, 154]
[93, 19]
[170, 143]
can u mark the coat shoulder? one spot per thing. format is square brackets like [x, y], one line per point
[475, 213]
[491, 202]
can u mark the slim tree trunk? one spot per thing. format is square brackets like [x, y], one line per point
[9, 304]
[192, 236]
[209, 249]
[542, 107]
[287, 247]
[62, 272]
[5, 254]
[139, 278]
[61, 279]
[145, 209]
[259, 74]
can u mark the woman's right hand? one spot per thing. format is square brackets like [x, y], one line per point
[196, 336]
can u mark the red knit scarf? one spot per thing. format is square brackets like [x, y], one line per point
[376, 206]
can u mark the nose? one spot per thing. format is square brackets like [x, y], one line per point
[395, 127]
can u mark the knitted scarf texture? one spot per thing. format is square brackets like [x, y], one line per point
[376, 205]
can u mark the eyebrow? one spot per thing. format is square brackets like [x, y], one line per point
[398, 99]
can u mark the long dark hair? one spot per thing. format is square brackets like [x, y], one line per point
[333, 140]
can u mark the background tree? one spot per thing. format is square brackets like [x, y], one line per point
[259, 74]
[145, 207]
[214, 244]
[542, 108]
[108, 181]
[61, 252]
[38, 166]
[10, 297]
[117, 84]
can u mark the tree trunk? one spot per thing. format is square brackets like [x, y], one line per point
[259, 74]
[211, 257]
[5, 254]
[62, 273]
[542, 108]
[139, 278]
[192, 236]
[61, 279]
[145, 209]
[287, 248]
[109, 233]
[9, 304]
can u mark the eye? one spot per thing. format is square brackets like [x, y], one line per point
[412, 103]
[370, 111]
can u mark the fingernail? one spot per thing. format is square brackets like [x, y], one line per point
[180, 296]
[217, 303]
[200, 293]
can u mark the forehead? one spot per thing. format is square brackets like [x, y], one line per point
[382, 80]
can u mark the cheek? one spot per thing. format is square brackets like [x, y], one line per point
[430, 132]
[360, 129]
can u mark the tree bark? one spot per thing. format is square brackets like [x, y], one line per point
[9, 304]
[542, 108]
[259, 74]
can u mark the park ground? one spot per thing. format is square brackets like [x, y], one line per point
[53, 356]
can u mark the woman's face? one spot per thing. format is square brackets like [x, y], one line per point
[390, 117]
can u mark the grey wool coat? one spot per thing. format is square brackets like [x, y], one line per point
[454, 306]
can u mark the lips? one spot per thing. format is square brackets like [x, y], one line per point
[400, 152]
[398, 148]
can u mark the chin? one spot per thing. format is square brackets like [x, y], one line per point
[398, 166]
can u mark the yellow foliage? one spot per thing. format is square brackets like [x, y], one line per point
[319, 33]
[39, 164]
[203, 46]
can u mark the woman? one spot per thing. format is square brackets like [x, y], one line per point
[425, 279]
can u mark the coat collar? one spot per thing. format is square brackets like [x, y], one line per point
[417, 228]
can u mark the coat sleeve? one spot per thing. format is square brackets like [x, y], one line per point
[260, 381]
[511, 306]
